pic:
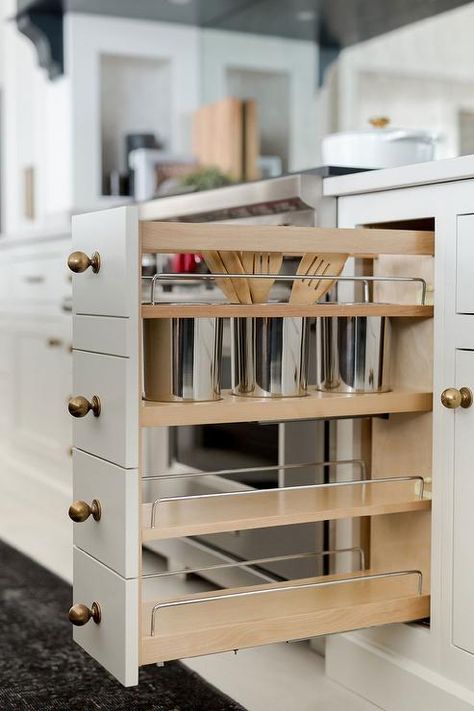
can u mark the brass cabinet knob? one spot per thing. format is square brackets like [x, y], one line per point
[80, 511]
[453, 398]
[79, 406]
[78, 262]
[80, 614]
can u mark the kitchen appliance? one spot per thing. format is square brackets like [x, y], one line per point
[297, 200]
[379, 146]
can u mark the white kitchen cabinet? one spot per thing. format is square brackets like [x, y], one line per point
[464, 257]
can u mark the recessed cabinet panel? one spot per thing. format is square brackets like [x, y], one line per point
[114, 641]
[114, 538]
[464, 262]
[113, 435]
[463, 515]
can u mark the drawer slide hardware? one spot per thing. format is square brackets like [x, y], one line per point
[79, 406]
[79, 614]
[80, 511]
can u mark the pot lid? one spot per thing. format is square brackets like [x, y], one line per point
[380, 127]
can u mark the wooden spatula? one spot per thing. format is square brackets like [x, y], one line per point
[261, 263]
[216, 266]
[308, 291]
[233, 265]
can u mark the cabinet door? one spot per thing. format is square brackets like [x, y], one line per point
[464, 256]
[463, 553]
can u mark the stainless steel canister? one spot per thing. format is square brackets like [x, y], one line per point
[353, 354]
[182, 359]
[270, 356]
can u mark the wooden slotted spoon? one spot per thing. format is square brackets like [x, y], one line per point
[216, 266]
[261, 263]
[233, 265]
[308, 291]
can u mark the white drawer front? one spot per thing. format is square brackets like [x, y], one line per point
[114, 434]
[41, 280]
[114, 642]
[104, 334]
[114, 539]
[113, 291]
[464, 261]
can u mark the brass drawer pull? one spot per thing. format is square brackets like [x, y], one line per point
[79, 406]
[453, 398]
[80, 511]
[78, 262]
[79, 614]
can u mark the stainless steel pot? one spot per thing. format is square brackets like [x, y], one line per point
[182, 359]
[270, 356]
[353, 354]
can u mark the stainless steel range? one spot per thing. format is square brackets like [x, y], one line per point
[247, 456]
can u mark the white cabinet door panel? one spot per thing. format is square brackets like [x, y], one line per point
[463, 514]
[465, 264]
[114, 539]
[113, 291]
[114, 434]
[114, 642]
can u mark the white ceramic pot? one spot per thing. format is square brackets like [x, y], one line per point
[378, 147]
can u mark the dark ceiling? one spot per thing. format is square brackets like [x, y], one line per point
[332, 22]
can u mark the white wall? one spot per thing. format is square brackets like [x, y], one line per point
[221, 51]
[87, 38]
[421, 76]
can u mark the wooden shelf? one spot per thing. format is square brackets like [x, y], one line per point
[173, 237]
[316, 405]
[251, 620]
[326, 309]
[216, 514]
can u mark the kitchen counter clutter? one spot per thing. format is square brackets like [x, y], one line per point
[180, 373]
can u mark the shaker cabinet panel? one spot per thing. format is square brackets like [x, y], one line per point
[113, 539]
[464, 262]
[463, 518]
[113, 434]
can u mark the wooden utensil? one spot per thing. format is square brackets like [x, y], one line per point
[308, 291]
[233, 265]
[216, 266]
[261, 263]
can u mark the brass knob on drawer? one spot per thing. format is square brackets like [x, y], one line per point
[79, 614]
[453, 398]
[78, 262]
[80, 511]
[79, 406]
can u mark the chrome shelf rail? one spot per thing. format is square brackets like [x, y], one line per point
[262, 591]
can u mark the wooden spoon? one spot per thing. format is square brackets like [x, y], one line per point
[261, 263]
[216, 266]
[308, 291]
[233, 265]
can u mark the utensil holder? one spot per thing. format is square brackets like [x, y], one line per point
[182, 359]
[353, 354]
[270, 356]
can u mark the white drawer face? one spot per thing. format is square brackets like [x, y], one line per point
[104, 334]
[41, 280]
[113, 291]
[114, 539]
[114, 641]
[464, 261]
[114, 434]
